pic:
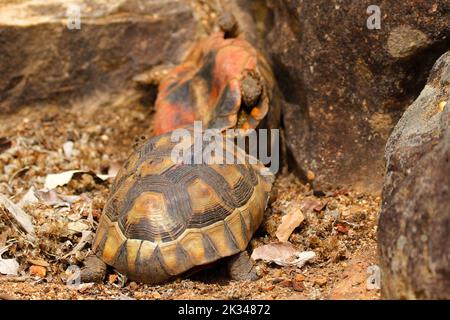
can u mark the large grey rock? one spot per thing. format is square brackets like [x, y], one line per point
[42, 60]
[414, 226]
[345, 85]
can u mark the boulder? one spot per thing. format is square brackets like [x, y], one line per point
[46, 56]
[346, 85]
[414, 225]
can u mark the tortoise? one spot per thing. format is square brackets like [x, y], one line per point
[164, 218]
[224, 82]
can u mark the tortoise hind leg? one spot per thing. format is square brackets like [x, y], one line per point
[241, 267]
[94, 269]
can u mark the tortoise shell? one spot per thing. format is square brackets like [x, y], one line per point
[207, 86]
[164, 217]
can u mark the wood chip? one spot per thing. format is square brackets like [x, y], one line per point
[289, 222]
[39, 262]
[5, 296]
[13, 279]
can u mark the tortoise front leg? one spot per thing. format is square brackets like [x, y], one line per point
[153, 76]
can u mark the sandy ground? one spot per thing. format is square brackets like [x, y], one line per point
[340, 229]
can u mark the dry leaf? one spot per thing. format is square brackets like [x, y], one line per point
[9, 267]
[283, 254]
[289, 222]
[28, 198]
[77, 227]
[68, 148]
[310, 204]
[82, 287]
[113, 169]
[52, 198]
[60, 179]
[272, 251]
[23, 219]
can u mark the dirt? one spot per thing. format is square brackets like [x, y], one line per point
[340, 226]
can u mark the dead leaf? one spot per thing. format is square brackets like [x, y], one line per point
[77, 227]
[28, 198]
[23, 219]
[113, 169]
[53, 198]
[283, 254]
[82, 287]
[71, 199]
[289, 222]
[9, 267]
[68, 148]
[272, 251]
[60, 179]
[310, 204]
[112, 173]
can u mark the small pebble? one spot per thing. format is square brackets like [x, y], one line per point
[341, 228]
[310, 175]
[299, 278]
[133, 286]
[321, 281]
[38, 271]
[286, 283]
[298, 286]
[268, 288]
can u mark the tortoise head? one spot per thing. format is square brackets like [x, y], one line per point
[225, 83]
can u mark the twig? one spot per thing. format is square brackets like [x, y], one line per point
[5, 296]
[16, 173]
[13, 279]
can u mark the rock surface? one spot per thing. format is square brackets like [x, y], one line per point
[414, 225]
[44, 60]
[345, 85]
